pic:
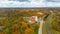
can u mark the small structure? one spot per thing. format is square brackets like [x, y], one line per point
[32, 19]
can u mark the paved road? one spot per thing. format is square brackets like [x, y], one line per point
[40, 29]
[48, 28]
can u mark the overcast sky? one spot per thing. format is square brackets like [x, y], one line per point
[28, 3]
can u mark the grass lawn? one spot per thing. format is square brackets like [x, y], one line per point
[53, 31]
[36, 31]
[44, 31]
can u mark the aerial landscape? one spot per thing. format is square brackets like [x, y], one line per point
[29, 21]
[29, 16]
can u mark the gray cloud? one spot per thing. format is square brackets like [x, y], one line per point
[32, 3]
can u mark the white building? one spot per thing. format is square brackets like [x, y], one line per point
[32, 19]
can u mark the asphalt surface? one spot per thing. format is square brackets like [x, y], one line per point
[40, 29]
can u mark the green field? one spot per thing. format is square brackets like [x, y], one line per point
[53, 31]
[44, 31]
